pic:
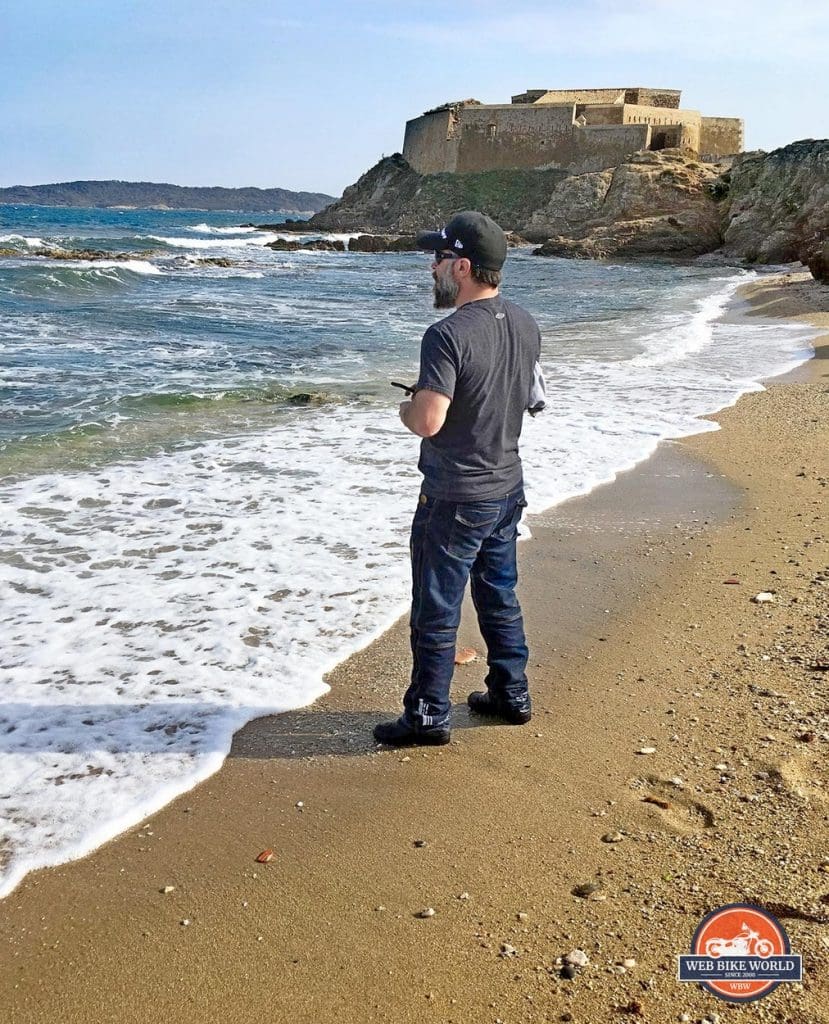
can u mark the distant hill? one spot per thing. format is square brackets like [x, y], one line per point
[147, 195]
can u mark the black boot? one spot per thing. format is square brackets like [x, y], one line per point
[400, 734]
[483, 703]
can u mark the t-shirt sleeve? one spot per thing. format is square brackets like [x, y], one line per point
[438, 363]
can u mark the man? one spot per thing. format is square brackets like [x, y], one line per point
[476, 376]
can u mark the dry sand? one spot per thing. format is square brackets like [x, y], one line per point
[636, 642]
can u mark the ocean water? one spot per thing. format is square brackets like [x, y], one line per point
[186, 544]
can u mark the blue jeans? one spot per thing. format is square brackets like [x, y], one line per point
[451, 543]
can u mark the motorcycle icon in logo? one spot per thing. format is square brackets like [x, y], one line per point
[740, 952]
[745, 943]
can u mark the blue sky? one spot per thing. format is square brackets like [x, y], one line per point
[309, 95]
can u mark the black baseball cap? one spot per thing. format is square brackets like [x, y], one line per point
[469, 234]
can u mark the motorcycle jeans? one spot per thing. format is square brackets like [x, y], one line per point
[451, 543]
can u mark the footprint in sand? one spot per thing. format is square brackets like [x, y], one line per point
[677, 809]
[795, 776]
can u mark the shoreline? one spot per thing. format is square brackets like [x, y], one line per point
[516, 804]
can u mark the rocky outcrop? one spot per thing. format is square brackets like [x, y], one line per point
[654, 204]
[392, 198]
[290, 245]
[778, 206]
[382, 243]
[817, 260]
[375, 202]
[89, 254]
[760, 208]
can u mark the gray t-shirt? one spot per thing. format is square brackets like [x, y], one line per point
[482, 357]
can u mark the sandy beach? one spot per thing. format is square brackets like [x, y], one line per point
[637, 643]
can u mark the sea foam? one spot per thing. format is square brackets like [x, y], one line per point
[154, 606]
[209, 229]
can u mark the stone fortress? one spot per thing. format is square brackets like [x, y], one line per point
[573, 130]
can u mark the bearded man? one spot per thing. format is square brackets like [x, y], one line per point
[477, 372]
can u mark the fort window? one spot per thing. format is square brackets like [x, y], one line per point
[491, 131]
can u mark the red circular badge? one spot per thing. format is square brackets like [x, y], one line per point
[740, 930]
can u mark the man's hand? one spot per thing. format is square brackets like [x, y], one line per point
[425, 414]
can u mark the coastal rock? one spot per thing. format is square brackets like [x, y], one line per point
[323, 244]
[778, 206]
[816, 258]
[756, 207]
[392, 197]
[375, 201]
[660, 203]
[214, 261]
[382, 243]
[87, 254]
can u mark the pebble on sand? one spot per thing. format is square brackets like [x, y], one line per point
[577, 957]
[167, 889]
[426, 912]
[612, 837]
[646, 750]
[764, 597]
[264, 857]
[465, 655]
[586, 889]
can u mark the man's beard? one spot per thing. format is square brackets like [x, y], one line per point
[446, 292]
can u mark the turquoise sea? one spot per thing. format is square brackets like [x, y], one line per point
[206, 490]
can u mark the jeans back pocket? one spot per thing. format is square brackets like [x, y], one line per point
[471, 525]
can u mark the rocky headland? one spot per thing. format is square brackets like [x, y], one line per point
[762, 208]
[142, 195]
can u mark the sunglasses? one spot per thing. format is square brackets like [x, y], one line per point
[441, 256]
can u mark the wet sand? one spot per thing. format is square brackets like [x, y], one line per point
[636, 643]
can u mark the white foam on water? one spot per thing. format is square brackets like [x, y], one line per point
[680, 335]
[253, 237]
[151, 608]
[209, 229]
[33, 243]
[259, 239]
[134, 266]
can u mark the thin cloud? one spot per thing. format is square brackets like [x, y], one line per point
[736, 31]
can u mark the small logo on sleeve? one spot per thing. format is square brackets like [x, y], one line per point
[740, 953]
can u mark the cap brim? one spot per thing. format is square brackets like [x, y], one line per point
[432, 240]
